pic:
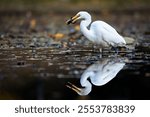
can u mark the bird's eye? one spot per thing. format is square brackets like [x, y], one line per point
[95, 71]
[107, 70]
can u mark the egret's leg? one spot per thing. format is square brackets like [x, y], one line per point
[94, 48]
[101, 52]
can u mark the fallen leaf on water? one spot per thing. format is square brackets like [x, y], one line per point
[32, 23]
[57, 35]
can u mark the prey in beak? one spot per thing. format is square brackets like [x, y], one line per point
[73, 20]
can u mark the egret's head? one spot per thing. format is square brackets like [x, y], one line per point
[81, 91]
[82, 15]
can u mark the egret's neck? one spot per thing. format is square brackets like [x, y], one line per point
[86, 89]
[87, 86]
[86, 22]
[84, 78]
[86, 32]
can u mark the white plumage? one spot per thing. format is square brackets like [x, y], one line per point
[99, 32]
[99, 74]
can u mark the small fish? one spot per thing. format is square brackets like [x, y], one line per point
[69, 21]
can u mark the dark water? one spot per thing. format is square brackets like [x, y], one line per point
[44, 75]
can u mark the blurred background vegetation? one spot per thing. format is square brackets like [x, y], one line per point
[71, 5]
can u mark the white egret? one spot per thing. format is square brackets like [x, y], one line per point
[99, 74]
[99, 32]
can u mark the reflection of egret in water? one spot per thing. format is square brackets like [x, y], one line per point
[99, 74]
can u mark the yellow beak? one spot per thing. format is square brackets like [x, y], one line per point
[73, 87]
[72, 19]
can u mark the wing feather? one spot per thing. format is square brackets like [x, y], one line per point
[107, 33]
